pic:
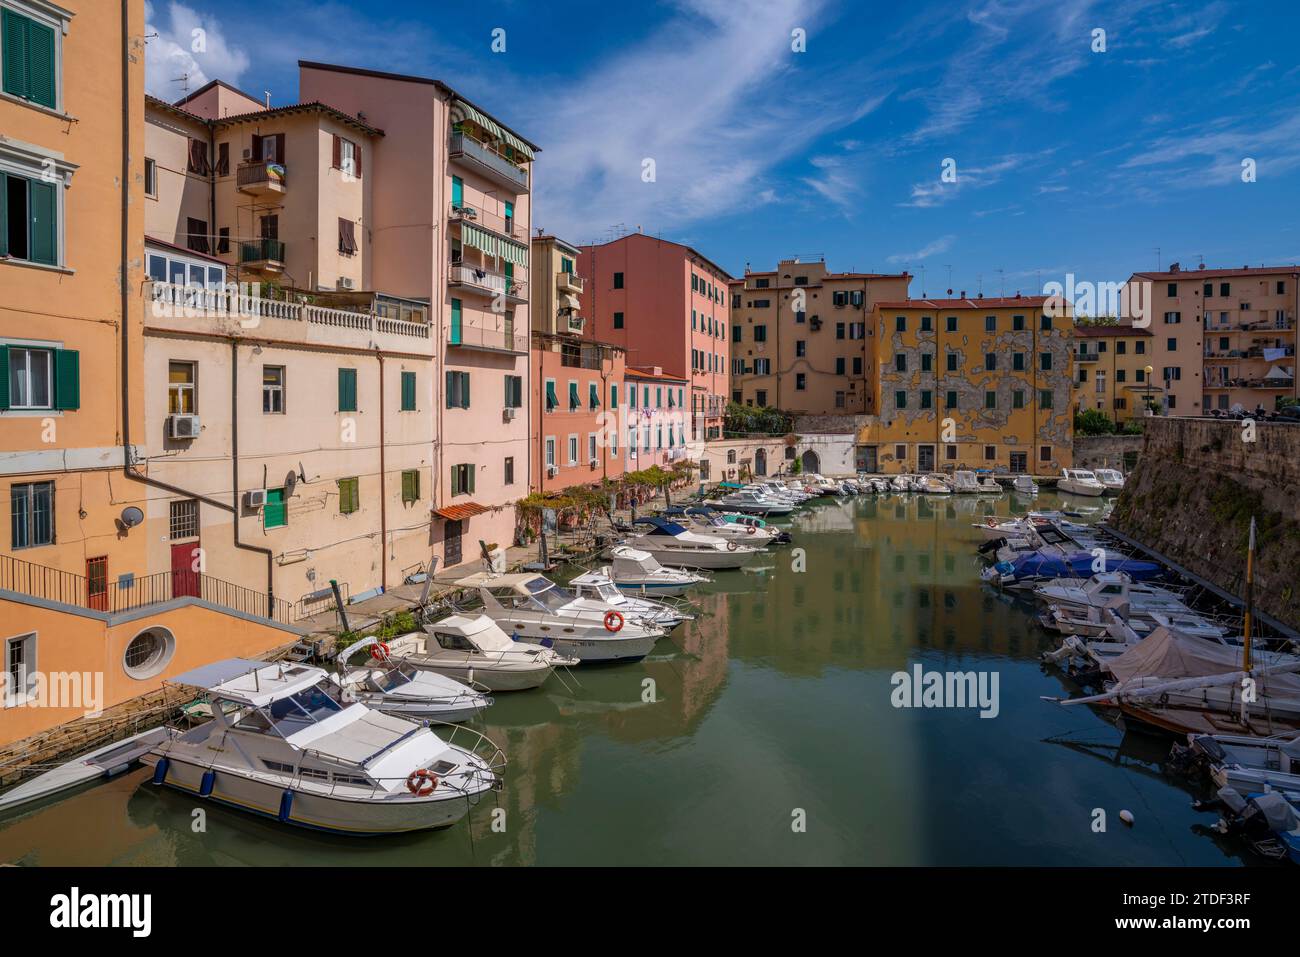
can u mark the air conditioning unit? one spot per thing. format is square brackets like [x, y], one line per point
[508, 414]
[183, 426]
[594, 462]
[344, 282]
[255, 498]
[552, 471]
[248, 154]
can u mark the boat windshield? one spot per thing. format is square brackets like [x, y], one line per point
[396, 678]
[546, 595]
[286, 716]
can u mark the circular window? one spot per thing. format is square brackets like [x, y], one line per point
[149, 653]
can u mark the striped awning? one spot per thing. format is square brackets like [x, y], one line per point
[495, 128]
[494, 245]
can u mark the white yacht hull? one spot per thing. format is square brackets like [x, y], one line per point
[719, 560]
[358, 814]
[1073, 488]
[651, 589]
[516, 677]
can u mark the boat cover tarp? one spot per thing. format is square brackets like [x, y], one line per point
[1079, 565]
[1278, 812]
[1170, 656]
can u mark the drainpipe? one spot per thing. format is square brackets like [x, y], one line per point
[383, 478]
[234, 485]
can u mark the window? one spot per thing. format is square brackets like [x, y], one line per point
[31, 509]
[1121, 348]
[1045, 361]
[1017, 361]
[508, 471]
[573, 450]
[20, 666]
[550, 450]
[575, 401]
[1281, 287]
[223, 159]
[150, 177]
[1139, 348]
[223, 239]
[857, 365]
[951, 323]
[1017, 323]
[926, 325]
[618, 320]
[553, 400]
[591, 447]
[408, 392]
[593, 396]
[457, 390]
[1225, 289]
[839, 400]
[760, 397]
[990, 400]
[1045, 323]
[182, 398]
[800, 348]
[990, 323]
[990, 361]
[462, 479]
[900, 323]
[950, 402]
[1121, 375]
[900, 399]
[800, 381]
[40, 378]
[1173, 318]
[839, 330]
[952, 362]
[900, 362]
[347, 237]
[347, 157]
[1018, 399]
[1044, 398]
[410, 486]
[273, 390]
[927, 399]
[900, 452]
[514, 392]
[29, 211]
[183, 519]
[760, 333]
[1044, 453]
[1172, 289]
[761, 283]
[348, 496]
[618, 280]
[927, 362]
[839, 365]
[1171, 344]
[990, 453]
[347, 390]
[31, 60]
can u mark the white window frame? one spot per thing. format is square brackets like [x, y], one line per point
[278, 389]
[38, 163]
[591, 446]
[150, 164]
[550, 450]
[180, 387]
[49, 380]
[14, 697]
[57, 18]
[571, 447]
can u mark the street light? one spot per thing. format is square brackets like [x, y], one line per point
[1149, 370]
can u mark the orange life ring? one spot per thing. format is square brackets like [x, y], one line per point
[750, 530]
[379, 651]
[422, 783]
[731, 545]
[613, 621]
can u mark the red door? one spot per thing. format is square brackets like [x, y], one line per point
[97, 583]
[185, 580]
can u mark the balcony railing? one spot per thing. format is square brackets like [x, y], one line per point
[487, 281]
[68, 588]
[505, 226]
[568, 282]
[261, 177]
[493, 340]
[270, 251]
[1087, 357]
[227, 302]
[488, 162]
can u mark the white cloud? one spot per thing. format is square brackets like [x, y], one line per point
[934, 248]
[188, 45]
[935, 192]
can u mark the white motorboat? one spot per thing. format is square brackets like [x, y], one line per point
[965, 483]
[639, 573]
[673, 545]
[401, 689]
[105, 762]
[1080, 482]
[598, 587]
[751, 531]
[1111, 480]
[280, 744]
[1076, 595]
[900, 483]
[933, 485]
[1024, 485]
[536, 609]
[1093, 622]
[755, 503]
[988, 485]
[474, 649]
[1250, 763]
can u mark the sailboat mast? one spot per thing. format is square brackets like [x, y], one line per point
[1245, 625]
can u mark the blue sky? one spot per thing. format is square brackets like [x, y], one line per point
[1066, 159]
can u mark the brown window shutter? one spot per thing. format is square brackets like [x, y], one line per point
[356, 150]
[257, 148]
[338, 153]
[279, 148]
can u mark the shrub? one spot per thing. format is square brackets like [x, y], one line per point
[1093, 422]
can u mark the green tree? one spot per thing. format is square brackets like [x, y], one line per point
[1093, 422]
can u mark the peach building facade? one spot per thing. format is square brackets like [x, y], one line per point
[1223, 337]
[657, 421]
[802, 338]
[1111, 364]
[666, 305]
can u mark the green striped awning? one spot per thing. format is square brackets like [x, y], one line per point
[495, 128]
[494, 245]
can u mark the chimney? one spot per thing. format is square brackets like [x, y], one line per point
[1174, 267]
[963, 294]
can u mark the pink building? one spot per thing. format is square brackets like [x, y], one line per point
[657, 421]
[450, 220]
[666, 305]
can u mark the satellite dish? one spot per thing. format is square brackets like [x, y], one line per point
[290, 481]
[132, 516]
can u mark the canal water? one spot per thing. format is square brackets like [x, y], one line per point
[766, 735]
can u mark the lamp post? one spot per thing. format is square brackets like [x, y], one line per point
[1149, 370]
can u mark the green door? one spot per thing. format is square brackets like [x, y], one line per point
[457, 191]
[455, 322]
[276, 511]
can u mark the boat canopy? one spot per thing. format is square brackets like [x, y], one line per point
[1167, 655]
[642, 561]
[661, 526]
[248, 682]
[1278, 812]
[730, 485]
[1044, 565]
[480, 630]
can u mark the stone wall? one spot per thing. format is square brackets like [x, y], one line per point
[1197, 484]
[836, 424]
[1106, 451]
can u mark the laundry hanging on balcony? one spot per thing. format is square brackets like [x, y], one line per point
[494, 245]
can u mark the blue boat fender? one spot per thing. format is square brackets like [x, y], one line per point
[205, 785]
[286, 805]
[160, 771]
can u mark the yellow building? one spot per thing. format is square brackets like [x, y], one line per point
[1114, 370]
[970, 384]
[801, 337]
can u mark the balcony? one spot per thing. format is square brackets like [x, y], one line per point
[1087, 357]
[506, 226]
[260, 179]
[264, 254]
[573, 324]
[463, 336]
[485, 161]
[487, 282]
[228, 311]
[568, 282]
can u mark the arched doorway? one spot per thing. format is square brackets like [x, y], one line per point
[811, 463]
[760, 462]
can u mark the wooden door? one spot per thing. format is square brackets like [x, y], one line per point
[97, 583]
[185, 580]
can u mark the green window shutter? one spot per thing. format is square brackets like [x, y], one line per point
[4, 215]
[347, 390]
[408, 391]
[551, 399]
[14, 28]
[510, 210]
[613, 396]
[4, 370]
[450, 385]
[40, 64]
[44, 206]
[464, 390]
[457, 191]
[469, 477]
[593, 398]
[275, 513]
[67, 379]
[455, 322]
